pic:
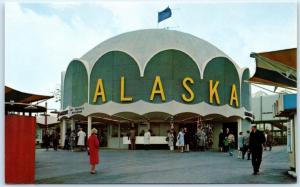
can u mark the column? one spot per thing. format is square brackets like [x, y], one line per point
[239, 121]
[62, 132]
[89, 128]
[294, 143]
[119, 134]
[238, 132]
[72, 124]
[148, 126]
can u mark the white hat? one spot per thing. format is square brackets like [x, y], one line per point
[253, 125]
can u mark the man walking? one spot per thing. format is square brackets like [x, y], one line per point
[256, 141]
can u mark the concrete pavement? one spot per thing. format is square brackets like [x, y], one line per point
[159, 166]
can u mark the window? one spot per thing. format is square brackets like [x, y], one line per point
[125, 128]
[114, 130]
[159, 129]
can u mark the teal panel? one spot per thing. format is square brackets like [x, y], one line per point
[246, 92]
[223, 70]
[246, 124]
[172, 66]
[110, 68]
[75, 85]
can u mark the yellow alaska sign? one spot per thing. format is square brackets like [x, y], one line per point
[158, 90]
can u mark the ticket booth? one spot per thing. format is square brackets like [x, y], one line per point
[20, 123]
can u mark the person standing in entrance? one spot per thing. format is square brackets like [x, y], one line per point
[132, 138]
[180, 139]
[231, 142]
[269, 139]
[241, 143]
[227, 132]
[201, 139]
[256, 141]
[175, 139]
[147, 137]
[55, 139]
[72, 139]
[171, 139]
[221, 140]
[46, 140]
[81, 139]
[186, 140]
[93, 148]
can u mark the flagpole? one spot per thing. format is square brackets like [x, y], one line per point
[157, 20]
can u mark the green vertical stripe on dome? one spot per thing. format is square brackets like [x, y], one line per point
[172, 66]
[75, 85]
[223, 70]
[246, 92]
[110, 68]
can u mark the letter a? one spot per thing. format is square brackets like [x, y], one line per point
[99, 91]
[188, 89]
[234, 96]
[123, 97]
[213, 92]
[157, 83]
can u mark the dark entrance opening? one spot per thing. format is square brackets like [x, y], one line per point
[192, 130]
[102, 134]
[232, 126]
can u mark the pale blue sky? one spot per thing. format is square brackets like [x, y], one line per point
[41, 39]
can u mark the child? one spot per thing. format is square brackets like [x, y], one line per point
[226, 144]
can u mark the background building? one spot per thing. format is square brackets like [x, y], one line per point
[263, 110]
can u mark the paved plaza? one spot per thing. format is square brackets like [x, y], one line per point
[159, 166]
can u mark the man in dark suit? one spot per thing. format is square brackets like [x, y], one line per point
[256, 141]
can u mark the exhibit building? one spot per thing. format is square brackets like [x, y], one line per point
[154, 79]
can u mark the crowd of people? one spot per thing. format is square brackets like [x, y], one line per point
[227, 143]
[181, 141]
[51, 139]
[251, 143]
[184, 138]
[73, 140]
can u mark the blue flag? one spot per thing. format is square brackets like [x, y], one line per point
[165, 14]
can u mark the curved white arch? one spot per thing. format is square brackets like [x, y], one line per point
[172, 108]
[131, 56]
[197, 64]
[84, 63]
[142, 45]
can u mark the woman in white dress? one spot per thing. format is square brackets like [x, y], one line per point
[147, 137]
[81, 139]
[180, 139]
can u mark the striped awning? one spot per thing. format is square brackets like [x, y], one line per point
[276, 68]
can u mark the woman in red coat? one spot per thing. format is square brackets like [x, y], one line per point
[93, 145]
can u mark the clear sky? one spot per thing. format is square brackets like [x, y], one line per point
[41, 39]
